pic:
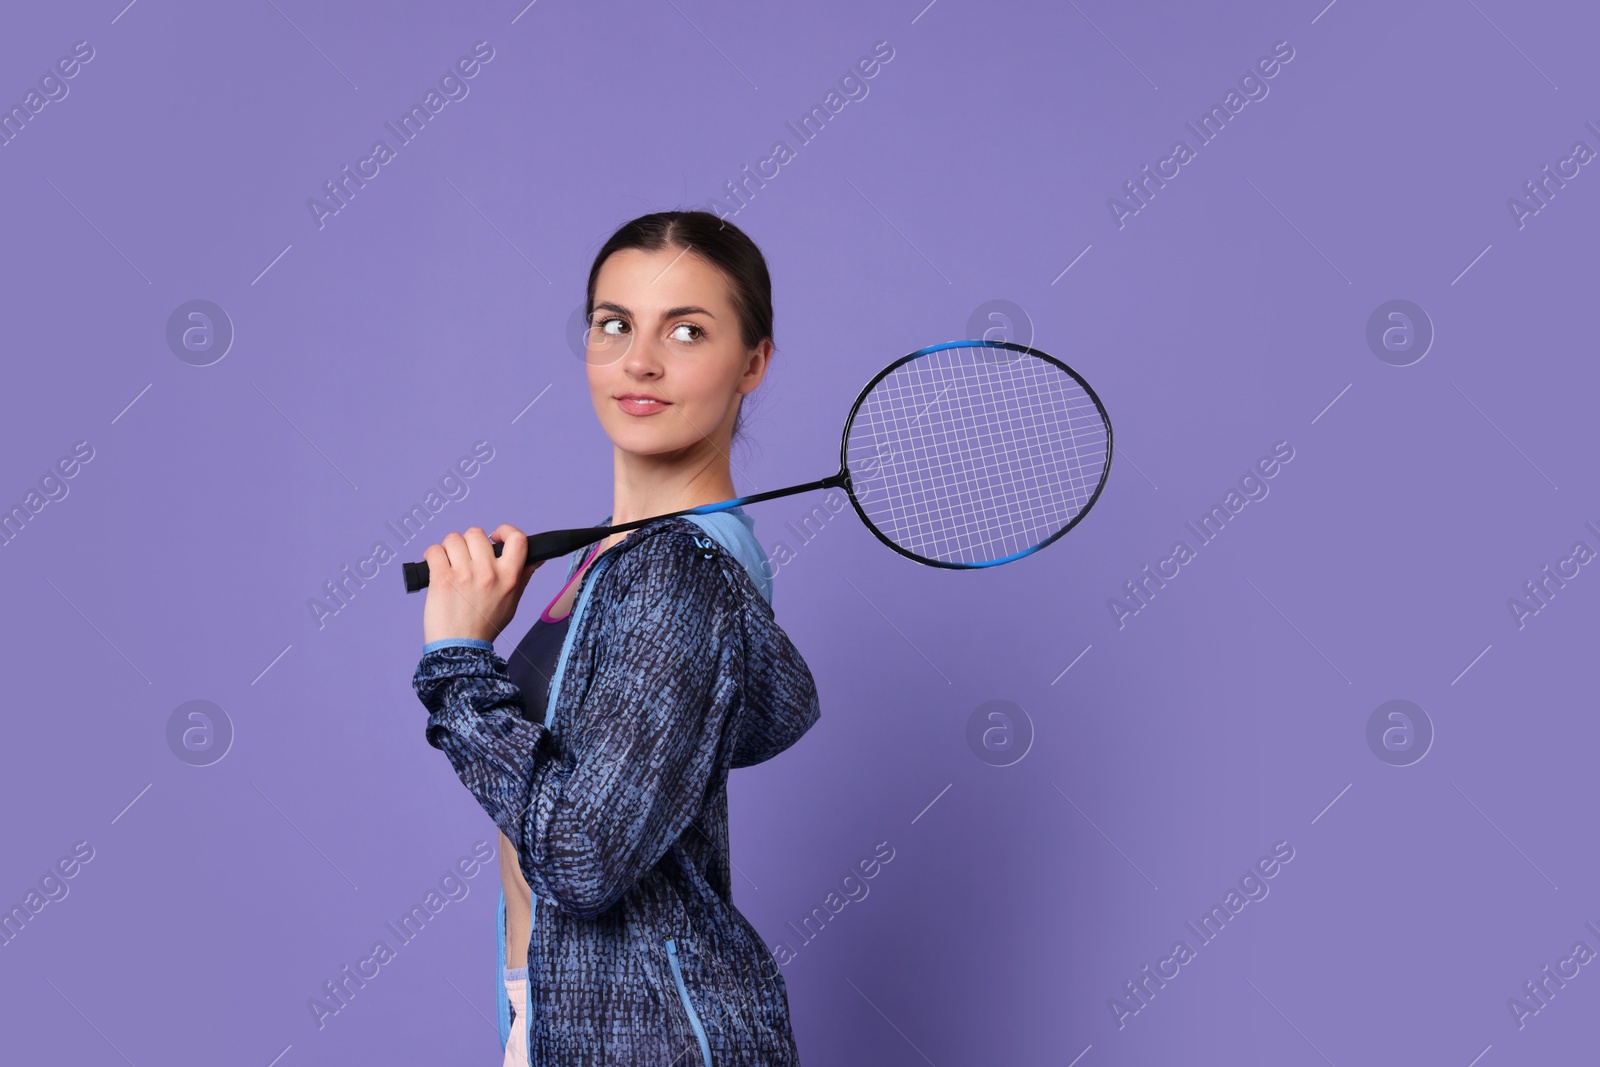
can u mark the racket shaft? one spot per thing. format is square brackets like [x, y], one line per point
[549, 545]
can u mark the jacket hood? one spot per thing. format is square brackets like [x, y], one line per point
[780, 693]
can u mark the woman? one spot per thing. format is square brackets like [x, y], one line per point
[602, 749]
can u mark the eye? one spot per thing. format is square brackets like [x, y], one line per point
[699, 332]
[604, 325]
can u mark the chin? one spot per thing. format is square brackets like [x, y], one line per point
[643, 440]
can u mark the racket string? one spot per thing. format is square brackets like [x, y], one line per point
[975, 457]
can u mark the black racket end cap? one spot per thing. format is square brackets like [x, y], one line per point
[416, 576]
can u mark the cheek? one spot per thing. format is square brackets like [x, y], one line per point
[713, 384]
[600, 382]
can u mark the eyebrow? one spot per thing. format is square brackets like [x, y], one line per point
[670, 313]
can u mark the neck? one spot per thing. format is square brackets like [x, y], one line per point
[644, 486]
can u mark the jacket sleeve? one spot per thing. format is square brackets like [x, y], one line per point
[590, 816]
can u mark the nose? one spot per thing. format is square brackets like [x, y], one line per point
[643, 360]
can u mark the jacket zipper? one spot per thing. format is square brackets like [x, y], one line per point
[572, 632]
[526, 1022]
[527, 988]
[683, 994]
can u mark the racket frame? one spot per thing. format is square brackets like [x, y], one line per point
[844, 445]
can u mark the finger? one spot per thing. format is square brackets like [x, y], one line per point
[523, 578]
[455, 546]
[514, 556]
[478, 544]
[438, 561]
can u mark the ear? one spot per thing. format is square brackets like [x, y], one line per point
[757, 360]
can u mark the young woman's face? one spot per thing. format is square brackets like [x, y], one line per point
[666, 363]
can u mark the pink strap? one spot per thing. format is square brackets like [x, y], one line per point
[545, 615]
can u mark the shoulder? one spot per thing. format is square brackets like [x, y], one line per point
[674, 563]
[736, 531]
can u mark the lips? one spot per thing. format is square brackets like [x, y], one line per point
[642, 404]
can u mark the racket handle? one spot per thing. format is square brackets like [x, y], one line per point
[541, 546]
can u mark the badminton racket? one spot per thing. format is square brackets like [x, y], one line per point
[961, 455]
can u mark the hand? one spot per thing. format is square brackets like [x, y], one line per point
[471, 593]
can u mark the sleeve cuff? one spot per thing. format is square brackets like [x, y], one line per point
[457, 642]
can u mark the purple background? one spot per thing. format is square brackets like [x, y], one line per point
[1228, 314]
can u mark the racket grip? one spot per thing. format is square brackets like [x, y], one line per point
[541, 546]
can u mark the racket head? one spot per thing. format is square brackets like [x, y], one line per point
[975, 453]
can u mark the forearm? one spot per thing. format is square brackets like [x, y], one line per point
[474, 717]
[579, 832]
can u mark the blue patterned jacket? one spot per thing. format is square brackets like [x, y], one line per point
[673, 672]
